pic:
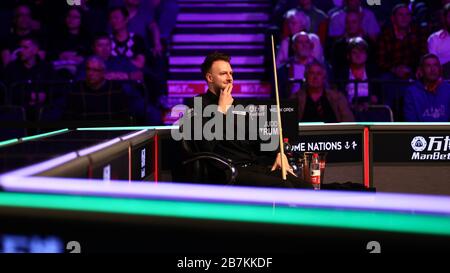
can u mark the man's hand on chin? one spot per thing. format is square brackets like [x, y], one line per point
[225, 98]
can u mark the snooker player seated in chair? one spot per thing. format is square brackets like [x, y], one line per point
[254, 167]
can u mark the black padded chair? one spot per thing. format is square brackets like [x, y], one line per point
[204, 167]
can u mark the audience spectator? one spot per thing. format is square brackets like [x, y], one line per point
[280, 9]
[136, 50]
[71, 44]
[317, 8]
[358, 69]
[337, 50]
[318, 17]
[382, 11]
[132, 46]
[23, 25]
[297, 21]
[398, 49]
[439, 42]
[369, 22]
[294, 67]
[29, 66]
[25, 75]
[125, 43]
[153, 20]
[400, 44]
[116, 67]
[97, 99]
[141, 17]
[428, 100]
[317, 103]
[119, 68]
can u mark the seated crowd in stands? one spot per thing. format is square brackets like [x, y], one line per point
[337, 57]
[113, 52]
[396, 54]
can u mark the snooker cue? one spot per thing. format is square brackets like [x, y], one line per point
[283, 168]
